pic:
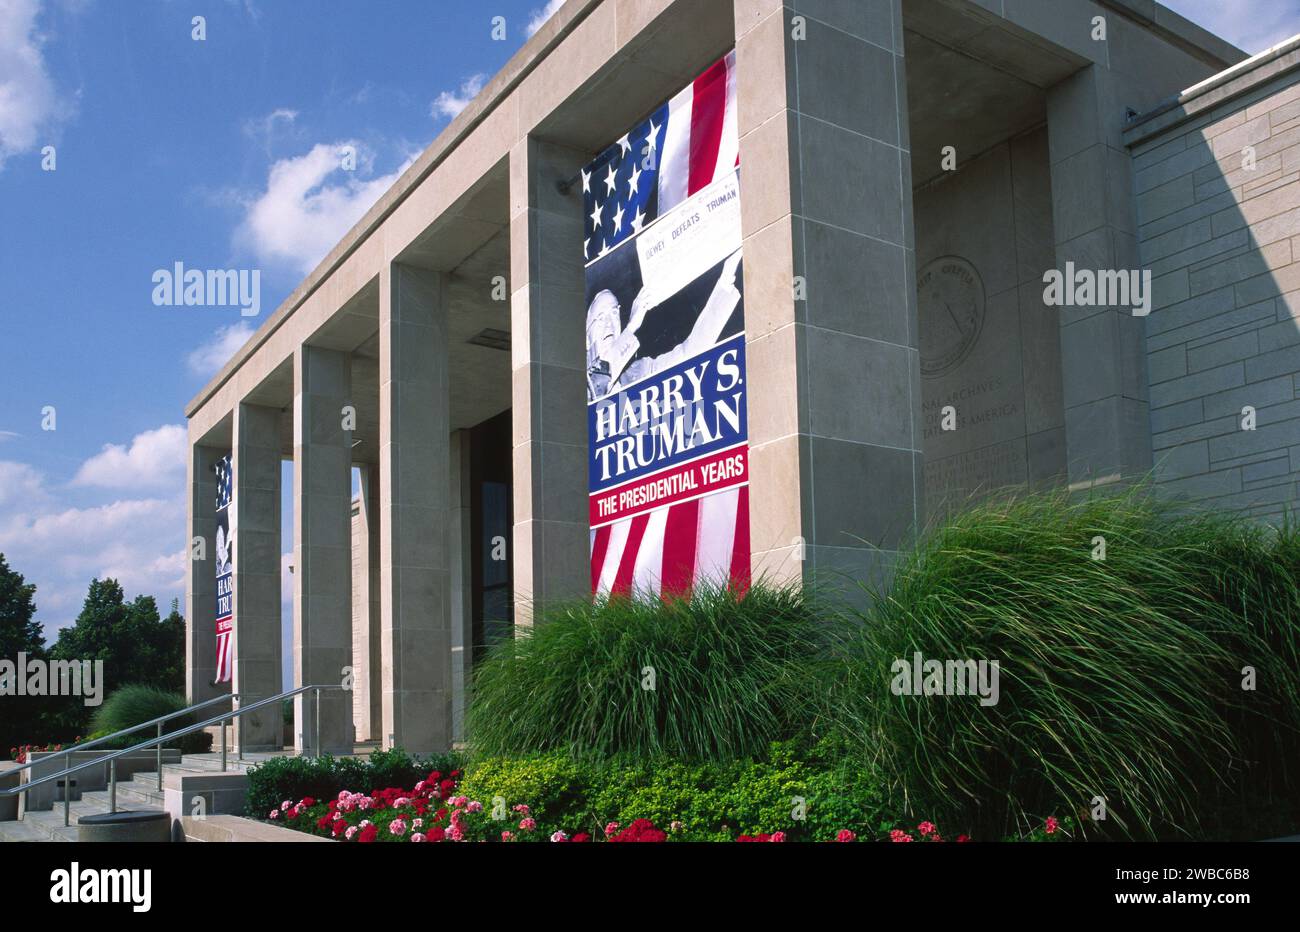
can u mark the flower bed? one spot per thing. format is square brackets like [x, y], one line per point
[435, 811]
[22, 753]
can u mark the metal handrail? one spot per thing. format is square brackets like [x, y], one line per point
[85, 745]
[111, 758]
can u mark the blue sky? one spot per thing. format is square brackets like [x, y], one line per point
[220, 153]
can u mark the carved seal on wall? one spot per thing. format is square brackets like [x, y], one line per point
[950, 306]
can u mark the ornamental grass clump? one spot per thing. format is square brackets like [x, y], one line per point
[712, 676]
[1122, 628]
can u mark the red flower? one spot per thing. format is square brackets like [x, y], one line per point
[845, 835]
[581, 836]
[1051, 825]
[369, 833]
[961, 838]
[435, 834]
[640, 830]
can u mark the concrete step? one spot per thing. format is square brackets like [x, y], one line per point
[48, 825]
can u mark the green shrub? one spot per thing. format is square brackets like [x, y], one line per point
[1119, 677]
[553, 786]
[729, 675]
[293, 778]
[707, 801]
[134, 705]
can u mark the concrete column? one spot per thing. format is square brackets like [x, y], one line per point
[830, 291]
[256, 522]
[461, 540]
[367, 704]
[1103, 349]
[200, 577]
[549, 425]
[414, 431]
[322, 558]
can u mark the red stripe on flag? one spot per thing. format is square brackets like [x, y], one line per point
[598, 550]
[707, 116]
[740, 546]
[680, 534]
[627, 565]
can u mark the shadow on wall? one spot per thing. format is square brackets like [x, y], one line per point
[1218, 210]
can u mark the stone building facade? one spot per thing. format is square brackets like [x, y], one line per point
[911, 169]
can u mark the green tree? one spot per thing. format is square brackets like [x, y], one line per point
[20, 632]
[134, 643]
[19, 629]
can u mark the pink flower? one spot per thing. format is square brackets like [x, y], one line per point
[397, 827]
[559, 836]
[845, 835]
[898, 835]
[284, 806]
[473, 806]
[926, 828]
[611, 828]
[778, 836]
[400, 802]
[351, 832]
[527, 825]
[417, 823]
[455, 833]
[275, 814]
[416, 837]
[676, 826]
[506, 836]
[1051, 825]
[521, 808]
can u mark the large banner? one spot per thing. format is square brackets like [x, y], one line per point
[225, 569]
[668, 468]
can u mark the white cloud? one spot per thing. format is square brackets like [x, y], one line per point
[1253, 25]
[262, 129]
[539, 17]
[208, 359]
[20, 485]
[449, 104]
[309, 202]
[29, 104]
[60, 545]
[155, 458]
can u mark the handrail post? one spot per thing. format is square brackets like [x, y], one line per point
[317, 749]
[223, 745]
[158, 756]
[67, 794]
[112, 785]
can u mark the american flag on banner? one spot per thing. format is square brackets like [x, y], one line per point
[683, 147]
[674, 548]
[681, 520]
[224, 547]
